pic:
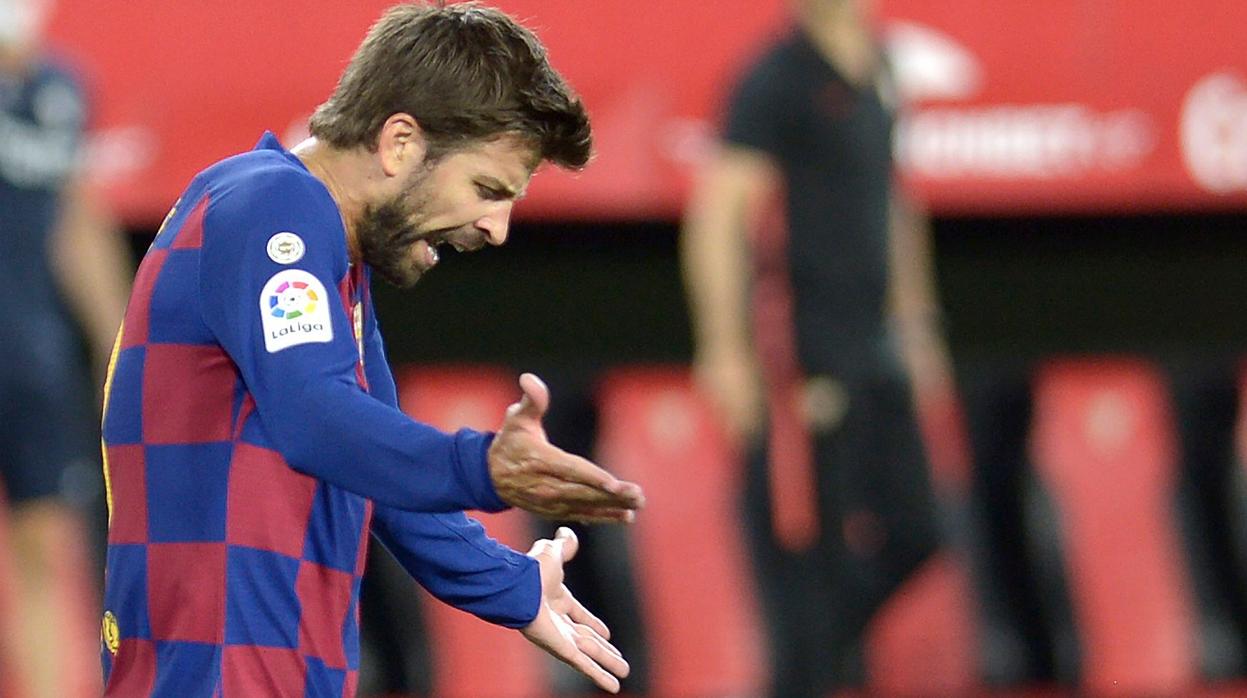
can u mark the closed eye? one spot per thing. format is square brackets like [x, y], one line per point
[492, 193]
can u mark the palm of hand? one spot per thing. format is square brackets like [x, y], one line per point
[565, 628]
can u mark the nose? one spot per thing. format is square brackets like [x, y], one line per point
[495, 222]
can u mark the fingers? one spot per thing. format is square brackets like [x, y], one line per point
[600, 515]
[572, 502]
[579, 646]
[550, 478]
[562, 548]
[583, 616]
[535, 400]
[631, 492]
[610, 658]
[584, 514]
[592, 660]
[599, 660]
[572, 468]
[565, 543]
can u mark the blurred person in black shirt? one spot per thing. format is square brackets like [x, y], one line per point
[816, 324]
[60, 262]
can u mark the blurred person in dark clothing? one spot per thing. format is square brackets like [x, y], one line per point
[819, 391]
[57, 254]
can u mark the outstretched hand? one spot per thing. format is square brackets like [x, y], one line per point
[565, 628]
[531, 473]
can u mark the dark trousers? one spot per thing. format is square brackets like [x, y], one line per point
[878, 524]
[1016, 598]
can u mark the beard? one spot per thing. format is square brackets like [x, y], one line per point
[387, 231]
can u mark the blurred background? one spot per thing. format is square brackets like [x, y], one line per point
[1084, 167]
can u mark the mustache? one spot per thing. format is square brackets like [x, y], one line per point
[407, 235]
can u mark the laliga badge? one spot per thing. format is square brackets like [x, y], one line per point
[294, 309]
[286, 248]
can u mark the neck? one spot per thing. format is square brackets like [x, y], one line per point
[843, 37]
[337, 169]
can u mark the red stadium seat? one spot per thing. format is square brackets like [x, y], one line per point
[450, 398]
[691, 565]
[922, 642]
[1104, 446]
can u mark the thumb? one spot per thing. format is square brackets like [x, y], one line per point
[535, 401]
[566, 543]
[560, 549]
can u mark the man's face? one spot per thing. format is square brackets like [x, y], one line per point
[464, 200]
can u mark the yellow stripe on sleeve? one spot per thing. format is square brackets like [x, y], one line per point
[108, 386]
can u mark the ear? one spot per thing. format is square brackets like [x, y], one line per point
[400, 145]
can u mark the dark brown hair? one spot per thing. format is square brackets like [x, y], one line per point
[466, 73]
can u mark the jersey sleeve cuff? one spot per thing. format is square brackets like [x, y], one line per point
[525, 595]
[471, 449]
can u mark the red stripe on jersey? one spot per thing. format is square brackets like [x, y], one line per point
[191, 234]
[134, 669]
[325, 596]
[269, 503]
[248, 670]
[186, 591]
[127, 473]
[138, 312]
[173, 371]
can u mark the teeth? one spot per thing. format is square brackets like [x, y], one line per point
[433, 253]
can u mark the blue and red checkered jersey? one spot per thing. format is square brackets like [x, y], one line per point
[252, 440]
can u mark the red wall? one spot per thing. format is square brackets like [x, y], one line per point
[1065, 105]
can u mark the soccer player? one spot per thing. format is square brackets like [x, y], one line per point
[58, 255]
[251, 429]
[818, 385]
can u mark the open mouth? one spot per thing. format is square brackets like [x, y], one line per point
[426, 252]
[427, 247]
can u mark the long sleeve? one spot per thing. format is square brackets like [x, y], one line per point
[285, 328]
[450, 554]
[452, 557]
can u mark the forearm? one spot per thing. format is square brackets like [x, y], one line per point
[914, 300]
[915, 306]
[715, 261]
[715, 249]
[375, 451]
[451, 556]
[93, 268]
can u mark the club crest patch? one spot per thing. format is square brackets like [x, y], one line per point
[110, 633]
[286, 248]
[294, 309]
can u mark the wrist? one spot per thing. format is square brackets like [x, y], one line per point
[472, 453]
